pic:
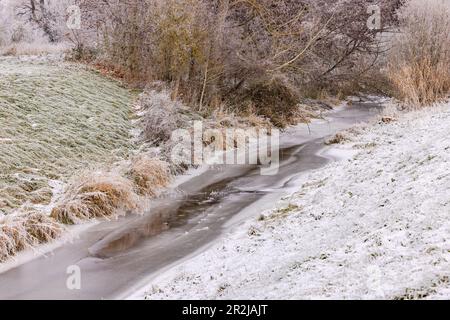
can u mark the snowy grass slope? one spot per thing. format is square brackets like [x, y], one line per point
[55, 118]
[373, 226]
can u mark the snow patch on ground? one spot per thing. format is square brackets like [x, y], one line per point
[375, 225]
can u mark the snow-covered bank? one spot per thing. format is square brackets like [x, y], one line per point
[373, 226]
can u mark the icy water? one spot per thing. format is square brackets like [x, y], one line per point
[119, 257]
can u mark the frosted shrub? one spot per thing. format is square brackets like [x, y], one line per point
[160, 116]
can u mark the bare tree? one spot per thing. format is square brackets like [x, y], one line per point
[39, 13]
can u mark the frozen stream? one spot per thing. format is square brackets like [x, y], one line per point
[117, 257]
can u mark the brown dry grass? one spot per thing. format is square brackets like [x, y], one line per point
[419, 62]
[22, 231]
[96, 195]
[421, 82]
[150, 175]
[337, 139]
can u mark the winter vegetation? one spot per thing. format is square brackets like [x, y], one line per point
[33, 27]
[19, 232]
[95, 195]
[419, 62]
[65, 132]
[245, 56]
[87, 112]
[55, 120]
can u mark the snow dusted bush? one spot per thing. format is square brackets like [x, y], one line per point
[420, 60]
[160, 115]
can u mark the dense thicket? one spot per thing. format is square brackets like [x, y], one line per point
[254, 55]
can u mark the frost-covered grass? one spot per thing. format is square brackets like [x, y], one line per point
[93, 195]
[372, 226]
[67, 153]
[150, 175]
[55, 118]
[19, 232]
